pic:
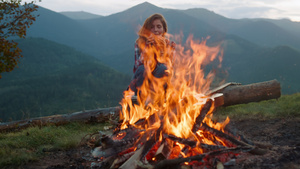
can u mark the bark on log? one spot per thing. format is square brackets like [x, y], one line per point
[255, 92]
[232, 94]
[98, 115]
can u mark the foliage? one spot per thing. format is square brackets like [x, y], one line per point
[14, 20]
[19, 148]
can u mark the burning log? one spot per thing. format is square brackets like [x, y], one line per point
[187, 142]
[192, 143]
[207, 106]
[141, 153]
[164, 150]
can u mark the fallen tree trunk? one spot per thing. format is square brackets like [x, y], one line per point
[239, 94]
[98, 115]
[232, 94]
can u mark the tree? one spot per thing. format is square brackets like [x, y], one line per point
[15, 18]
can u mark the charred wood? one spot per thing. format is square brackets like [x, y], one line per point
[256, 150]
[205, 109]
[164, 150]
[193, 144]
[151, 142]
[174, 162]
[112, 145]
[121, 159]
[132, 161]
[211, 147]
[233, 131]
[187, 142]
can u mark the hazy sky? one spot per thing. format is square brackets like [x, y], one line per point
[275, 9]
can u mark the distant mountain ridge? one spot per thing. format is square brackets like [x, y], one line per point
[111, 38]
[80, 15]
[265, 32]
[129, 20]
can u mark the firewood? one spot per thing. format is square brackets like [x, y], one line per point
[187, 142]
[164, 150]
[205, 109]
[174, 162]
[208, 147]
[193, 144]
[256, 150]
[142, 152]
[113, 145]
[121, 159]
[151, 142]
[233, 131]
[132, 161]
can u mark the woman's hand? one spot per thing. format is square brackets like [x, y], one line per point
[150, 40]
[156, 40]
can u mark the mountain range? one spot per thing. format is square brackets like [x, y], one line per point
[52, 78]
[254, 49]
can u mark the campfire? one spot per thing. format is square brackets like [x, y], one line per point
[170, 122]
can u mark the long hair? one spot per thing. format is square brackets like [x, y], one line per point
[145, 31]
[153, 56]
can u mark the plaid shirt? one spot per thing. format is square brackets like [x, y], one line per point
[138, 57]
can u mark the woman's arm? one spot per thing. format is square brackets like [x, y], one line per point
[137, 57]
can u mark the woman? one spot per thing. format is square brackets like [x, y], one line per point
[153, 51]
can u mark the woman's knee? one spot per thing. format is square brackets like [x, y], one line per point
[160, 70]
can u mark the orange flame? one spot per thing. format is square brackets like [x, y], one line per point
[177, 99]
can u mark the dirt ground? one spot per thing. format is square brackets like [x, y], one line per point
[283, 135]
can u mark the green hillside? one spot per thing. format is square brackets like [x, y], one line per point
[62, 29]
[42, 57]
[247, 63]
[56, 79]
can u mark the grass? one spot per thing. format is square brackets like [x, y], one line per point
[287, 106]
[28, 145]
[18, 148]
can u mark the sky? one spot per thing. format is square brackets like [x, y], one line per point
[236, 9]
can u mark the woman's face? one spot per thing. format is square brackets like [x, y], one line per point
[157, 27]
